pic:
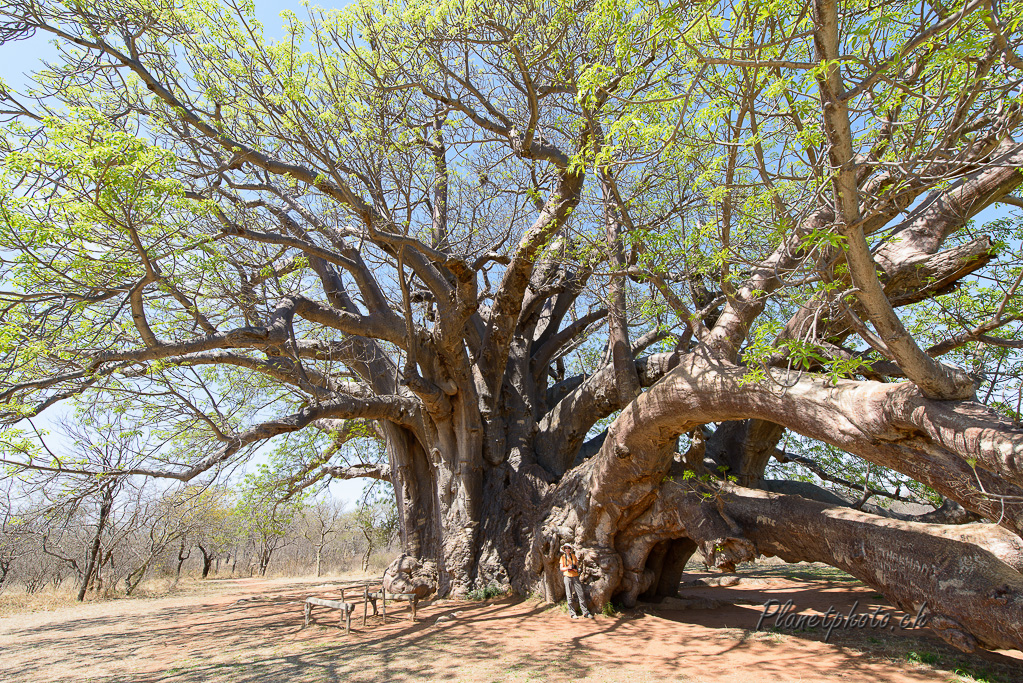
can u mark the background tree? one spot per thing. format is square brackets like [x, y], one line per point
[161, 527]
[323, 518]
[106, 502]
[215, 526]
[376, 518]
[12, 537]
[69, 491]
[199, 517]
[264, 518]
[568, 264]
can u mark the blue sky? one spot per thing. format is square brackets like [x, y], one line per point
[24, 56]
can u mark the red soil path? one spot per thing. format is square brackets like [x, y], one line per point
[252, 630]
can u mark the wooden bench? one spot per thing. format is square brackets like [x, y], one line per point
[384, 596]
[346, 609]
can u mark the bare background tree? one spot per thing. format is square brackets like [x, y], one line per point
[324, 519]
[146, 541]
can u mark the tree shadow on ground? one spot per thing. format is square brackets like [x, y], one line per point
[813, 590]
[261, 639]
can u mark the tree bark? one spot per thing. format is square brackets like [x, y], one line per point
[968, 576]
[624, 505]
[207, 560]
[182, 556]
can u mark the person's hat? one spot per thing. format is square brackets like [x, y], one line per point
[566, 545]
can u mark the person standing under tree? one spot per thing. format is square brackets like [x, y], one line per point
[573, 586]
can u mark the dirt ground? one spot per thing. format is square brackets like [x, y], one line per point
[251, 630]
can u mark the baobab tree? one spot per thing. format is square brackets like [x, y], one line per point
[584, 269]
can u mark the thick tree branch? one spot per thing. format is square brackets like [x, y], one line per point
[564, 428]
[508, 301]
[397, 409]
[960, 449]
[968, 575]
[542, 356]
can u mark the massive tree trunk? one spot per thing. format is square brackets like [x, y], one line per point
[638, 512]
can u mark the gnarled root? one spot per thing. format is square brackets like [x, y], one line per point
[406, 574]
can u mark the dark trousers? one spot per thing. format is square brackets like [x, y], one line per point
[574, 587]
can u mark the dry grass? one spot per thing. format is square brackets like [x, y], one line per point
[18, 601]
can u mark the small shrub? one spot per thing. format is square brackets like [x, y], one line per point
[481, 594]
[922, 657]
[972, 675]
